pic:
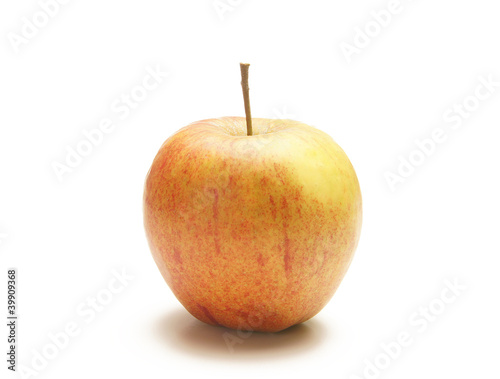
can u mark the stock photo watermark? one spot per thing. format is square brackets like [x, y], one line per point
[87, 311]
[3, 237]
[122, 107]
[364, 36]
[245, 329]
[218, 181]
[454, 117]
[12, 319]
[418, 322]
[32, 26]
[222, 7]
[282, 113]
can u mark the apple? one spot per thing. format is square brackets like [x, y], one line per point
[252, 222]
[252, 232]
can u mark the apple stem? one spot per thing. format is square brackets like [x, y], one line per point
[246, 95]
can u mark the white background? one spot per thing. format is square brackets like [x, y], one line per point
[65, 237]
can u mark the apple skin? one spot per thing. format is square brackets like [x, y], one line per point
[252, 232]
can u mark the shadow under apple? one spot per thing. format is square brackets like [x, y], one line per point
[182, 331]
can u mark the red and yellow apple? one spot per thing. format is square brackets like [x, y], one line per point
[252, 232]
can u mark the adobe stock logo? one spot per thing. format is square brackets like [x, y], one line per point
[31, 27]
[365, 35]
[222, 7]
[87, 311]
[419, 322]
[123, 106]
[455, 116]
[3, 237]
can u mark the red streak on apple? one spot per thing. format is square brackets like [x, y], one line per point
[207, 313]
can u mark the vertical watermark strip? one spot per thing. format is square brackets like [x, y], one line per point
[12, 319]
